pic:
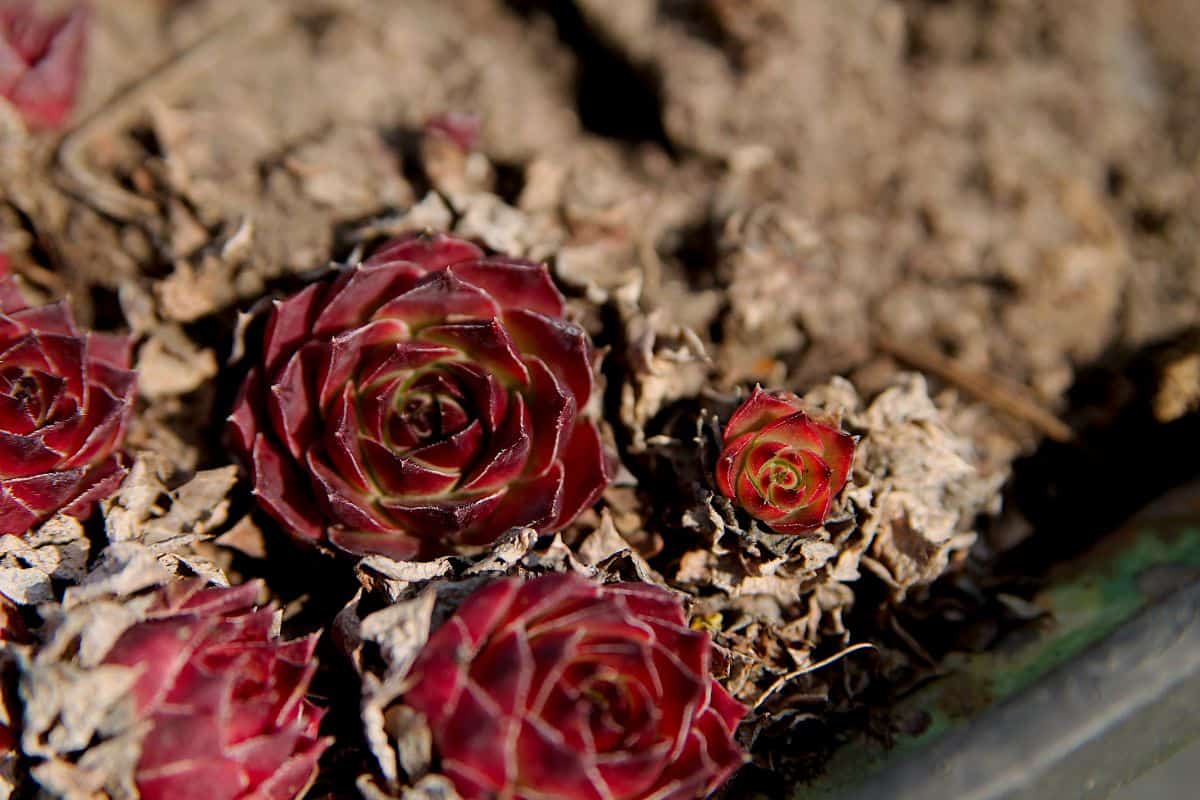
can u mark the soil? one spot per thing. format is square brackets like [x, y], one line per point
[1000, 196]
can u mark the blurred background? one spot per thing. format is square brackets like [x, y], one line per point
[1001, 194]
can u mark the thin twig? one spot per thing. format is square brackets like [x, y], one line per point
[1005, 395]
[912, 643]
[779, 684]
[120, 111]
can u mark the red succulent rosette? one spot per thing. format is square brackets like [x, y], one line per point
[41, 60]
[428, 398]
[562, 689]
[780, 465]
[65, 399]
[223, 697]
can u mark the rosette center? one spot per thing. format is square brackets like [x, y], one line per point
[783, 474]
[615, 715]
[30, 395]
[430, 410]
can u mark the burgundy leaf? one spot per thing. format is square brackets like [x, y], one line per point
[279, 490]
[533, 504]
[506, 456]
[342, 357]
[11, 300]
[394, 544]
[15, 517]
[429, 519]
[438, 296]
[289, 327]
[342, 440]
[562, 345]
[553, 409]
[460, 447]
[402, 477]
[588, 471]
[514, 284]
[759, 410]
[430, 251]
[485, 342]
[356, 295]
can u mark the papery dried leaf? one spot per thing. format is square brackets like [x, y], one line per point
[14, 636]
[145, 510]
[431, 787]
[400, 631]
[923, 485]
[58, 550]
[170, 364]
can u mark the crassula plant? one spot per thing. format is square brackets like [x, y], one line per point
[559, 688]
[41, 59]
[780, 465]
[65, 399]
[427, 399]
[221, 696]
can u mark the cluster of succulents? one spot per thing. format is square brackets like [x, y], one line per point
[423, 402]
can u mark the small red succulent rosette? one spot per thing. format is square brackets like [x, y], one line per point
[427, 399]
[224, 698]
[783, 467]
[66, 397]
[41, 61]
[562, 689]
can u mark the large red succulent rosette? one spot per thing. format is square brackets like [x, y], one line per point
[66, 397]
[783, 467]
[427, 399]
[562, 689]
[223, 697]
